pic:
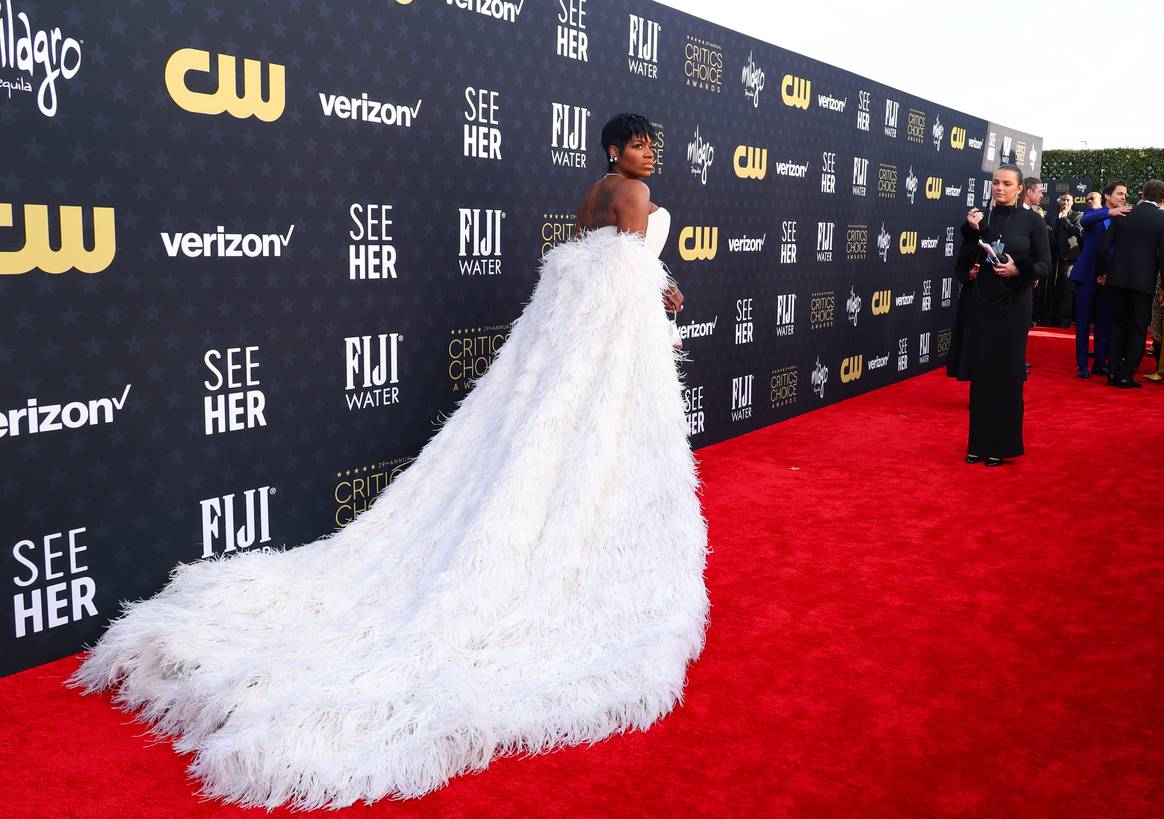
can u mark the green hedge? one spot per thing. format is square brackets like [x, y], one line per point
[1132, 166]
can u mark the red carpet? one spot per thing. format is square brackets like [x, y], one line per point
[894, 633]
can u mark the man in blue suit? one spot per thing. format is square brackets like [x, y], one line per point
[1091, 303]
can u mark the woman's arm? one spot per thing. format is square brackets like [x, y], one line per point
[969, 252]
[1038, 264]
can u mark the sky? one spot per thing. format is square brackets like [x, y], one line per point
[953, 54]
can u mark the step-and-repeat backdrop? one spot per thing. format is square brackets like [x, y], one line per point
[251, 253]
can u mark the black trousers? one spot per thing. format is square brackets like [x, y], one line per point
[1130, 313]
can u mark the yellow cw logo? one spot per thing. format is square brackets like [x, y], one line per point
[882, 301]
[697, 243]
[227, 97]
[933, 187]
[851, 368]
[795, 91]
[38, 253]
[750, 163]
[907, 243]
[958, 138]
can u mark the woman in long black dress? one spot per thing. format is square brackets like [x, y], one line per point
[999, 314]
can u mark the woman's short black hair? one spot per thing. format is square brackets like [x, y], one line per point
[622, 128]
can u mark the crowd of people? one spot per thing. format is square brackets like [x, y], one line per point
[1105, 277]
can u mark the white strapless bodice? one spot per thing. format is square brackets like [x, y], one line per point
[658, 226]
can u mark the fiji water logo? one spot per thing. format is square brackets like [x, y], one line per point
[47, 54]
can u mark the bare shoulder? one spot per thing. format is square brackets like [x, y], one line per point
[633, 194]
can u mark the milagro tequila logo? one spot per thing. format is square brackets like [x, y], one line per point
[752, 77]
[47, 54]
[700, 154]
[820, 377]
[911, 185]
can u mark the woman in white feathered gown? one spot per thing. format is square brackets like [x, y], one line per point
[553, 599]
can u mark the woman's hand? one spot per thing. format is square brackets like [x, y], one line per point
[672, 298]
[1007, 269]
[974, 272]
[974, 218]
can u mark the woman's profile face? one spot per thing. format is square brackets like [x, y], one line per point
[637, 159]
[1005, 187]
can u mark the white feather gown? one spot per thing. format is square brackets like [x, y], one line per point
[533, 580]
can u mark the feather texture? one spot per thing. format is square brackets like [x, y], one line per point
[534, 580]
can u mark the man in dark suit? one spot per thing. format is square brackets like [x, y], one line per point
[1137, 259]
[1066, 234]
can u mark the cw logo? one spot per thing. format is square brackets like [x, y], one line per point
[882, 302]
[72, 254]
[795, 91]
[907, 242]
[697, 243]
[851, 368]
[226, 98]
[958, 138]
[933, 187]
[750, 163]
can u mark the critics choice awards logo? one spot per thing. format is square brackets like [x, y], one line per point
[507, 10]
[357, 488]
[556, 228]
[482, 135]
[943, 343]
[241, 101]
[783, 386]
[480, 241]
[234, 400]
[51, 584]
[642, 53]
[371, 252]
[822, 310]
[70, 252]
[857, 242]
[29, 55]
[887, 181]
[372, 370]
[703, 64]
[471, 353]
[571, 40]
[915, 126]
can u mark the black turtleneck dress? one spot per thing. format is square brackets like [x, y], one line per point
[997, 317]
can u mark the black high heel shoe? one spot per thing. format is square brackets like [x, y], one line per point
[973, 459]
[994, 462]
